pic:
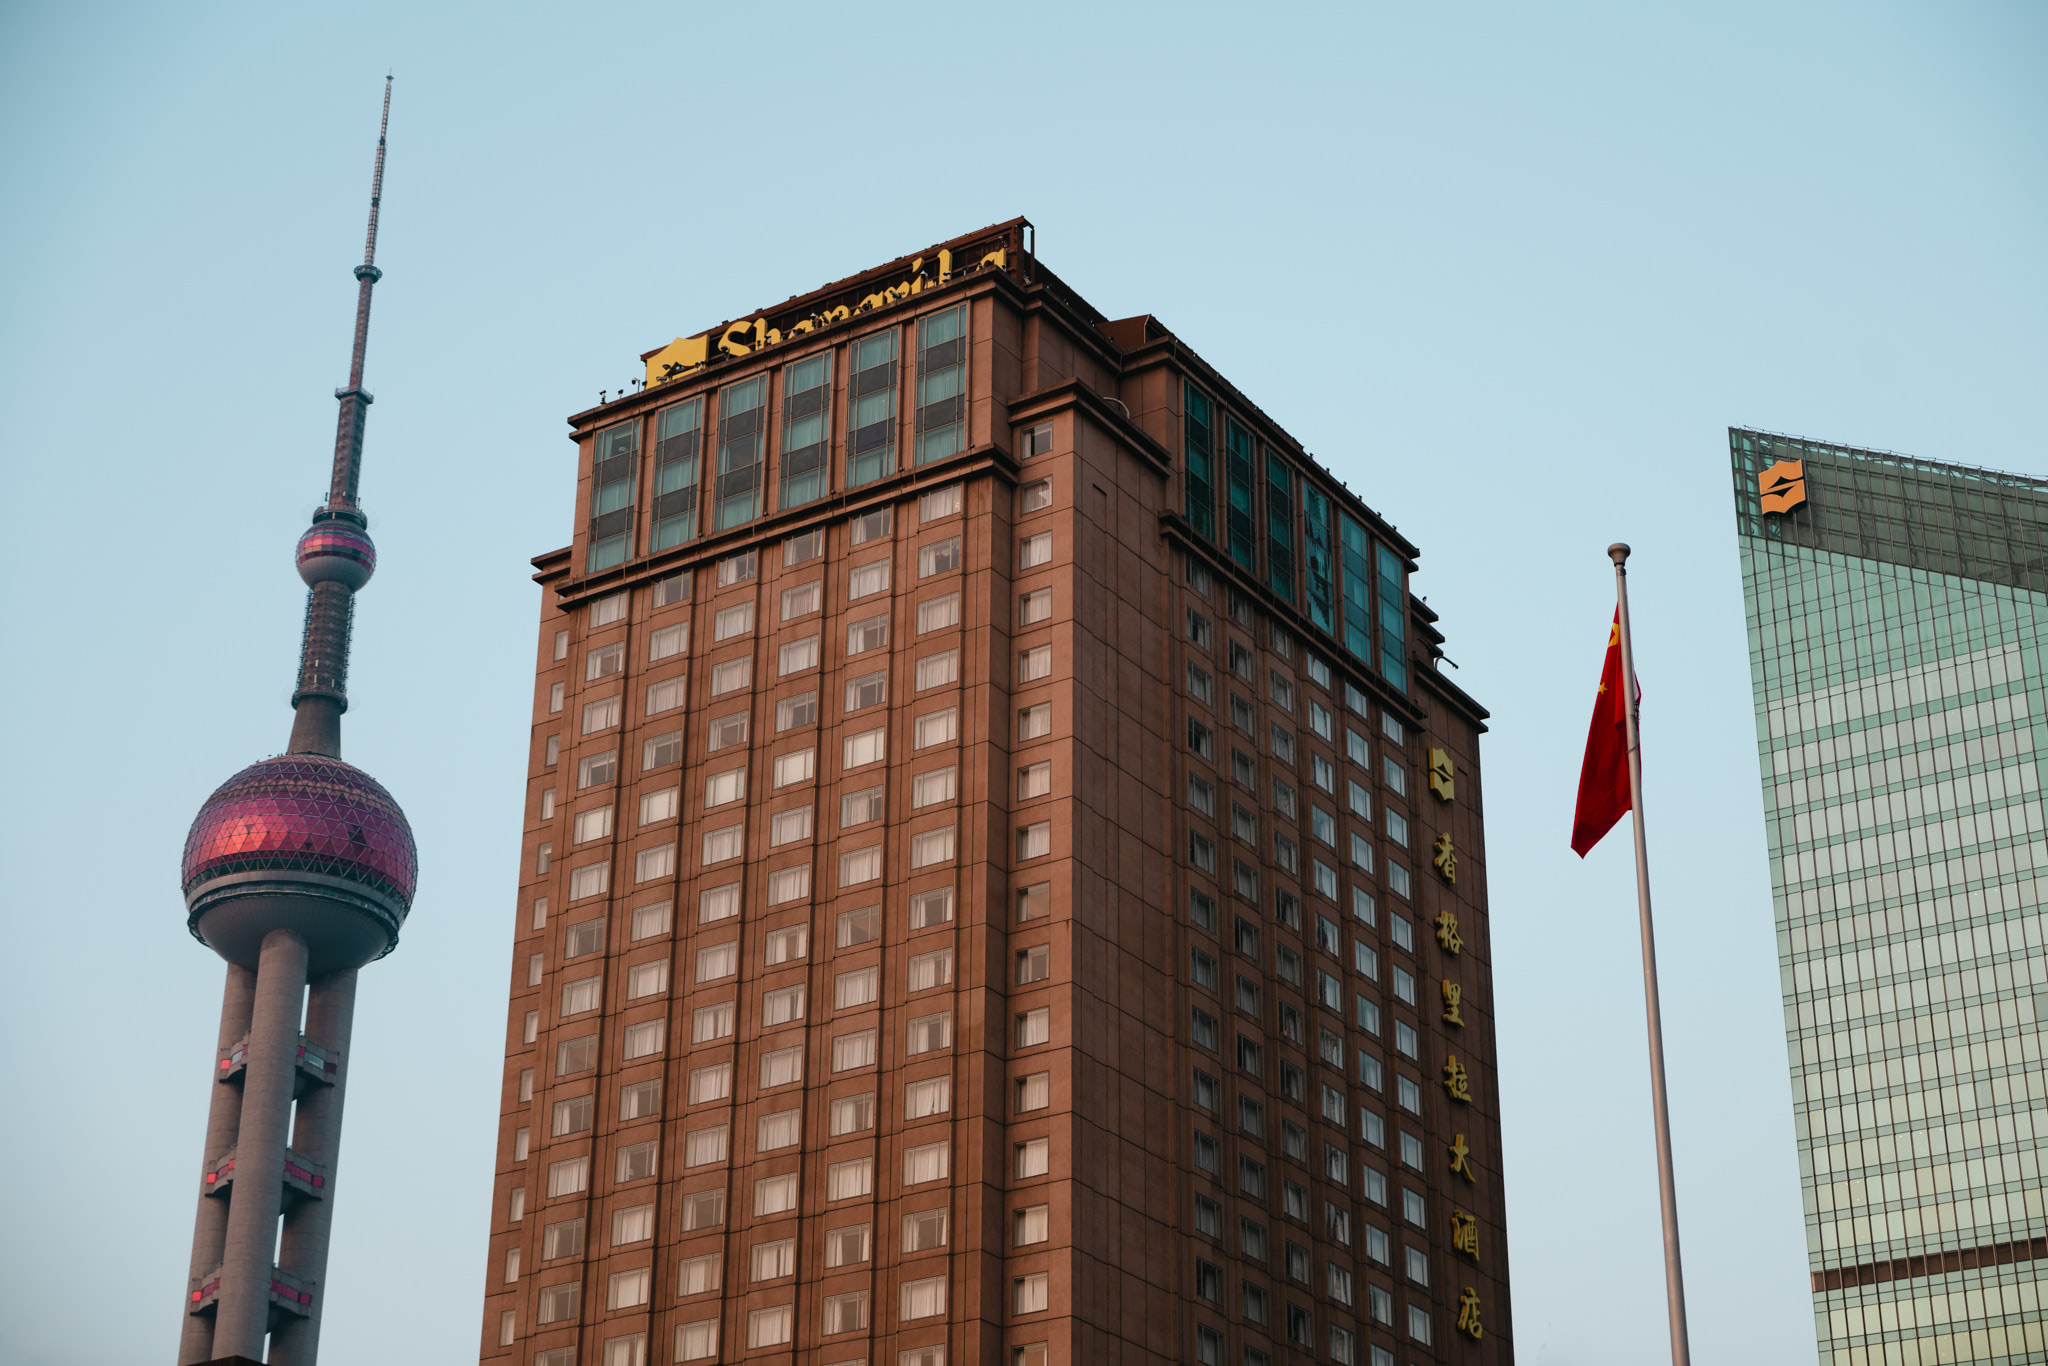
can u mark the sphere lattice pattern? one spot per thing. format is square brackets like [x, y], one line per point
[305, 812]
[337, 552]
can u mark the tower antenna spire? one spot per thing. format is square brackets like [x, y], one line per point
[335, 555]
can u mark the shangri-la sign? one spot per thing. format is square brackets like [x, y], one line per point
[749, 335]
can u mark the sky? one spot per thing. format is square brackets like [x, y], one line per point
[1510, 271]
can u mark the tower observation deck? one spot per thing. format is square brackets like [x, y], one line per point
[298, 870]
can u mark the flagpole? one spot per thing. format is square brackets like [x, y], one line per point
[1674, 1275]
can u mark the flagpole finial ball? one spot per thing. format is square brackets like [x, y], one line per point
[1618, 552]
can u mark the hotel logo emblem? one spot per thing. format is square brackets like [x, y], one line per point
[1783, 486]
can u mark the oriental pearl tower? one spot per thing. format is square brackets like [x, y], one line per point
[297, 871]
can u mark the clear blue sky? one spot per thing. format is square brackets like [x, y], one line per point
[1510, 270]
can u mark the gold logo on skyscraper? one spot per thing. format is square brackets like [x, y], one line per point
[1783, 486]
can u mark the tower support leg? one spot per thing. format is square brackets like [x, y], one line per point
[242, 1316]
[223, 1117]
[316, 1133]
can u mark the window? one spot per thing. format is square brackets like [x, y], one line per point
[782, 1006]
[867, 579]
[737, 620]
[847, 1313]
[796, 767]
[1034, 901]
[1034, 722]
[718, 903]
[1034, 607]
[1202, 794]
[697, 1341]
[787, 944]
[1397, 827]
[1028, 1293]
[592, 879]
[860, 865]
[927, 1162]
[801, 600]
[941, 384]
[598, 768]
[931, 908]
[667, 749]
[1034, 780]
[710, 1083]
[770, 1327]
[852, 1114]
[664, 805]
[850, 1051]
[939, 503]
[553, 750]
[562, 643]
[641, 1100]
[782, 1067]
[803, 547]
[934, 613]
[559, 1302]
[575, 1055]
[698, 1275]
[789, 884]
[1418, 1323]
[657, 862]
[614, 473]
[703, 1209]
[708, 1023]
[1034, 964]
[1032, 1157]
[1033, 1027]
[1201, 739]
[859, 926]
[1035, 840]
[934, 670]
[867, 690]
[783, 1129]
[932, 1096]
[871, 414]
[858, 808]
[796, 656]
[856, 988]
[604, 661]
[775, 1194]
[941, 557]
[929, 1032]
[1034, 551]
[592, 825]
[937, 727]
[644, 1039]
[677, 451]
[806, 428]
[1029, 1225]
[801, 709]
[1034, 664]
[723, 843]
[924, 1298]
[571, 1116]
[862, 749]
[870, 633]
[736, 568]
[1035, 441]
[580, 996]
[786, 827]
[742, 419]
[1034, 497]
[928, 970]
[1031, 1092]
[846, 1246]
[600, 715]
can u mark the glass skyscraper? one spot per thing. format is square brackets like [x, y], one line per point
[1897, 611]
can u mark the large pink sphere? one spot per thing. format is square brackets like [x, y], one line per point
[337, 552]
[304, 841]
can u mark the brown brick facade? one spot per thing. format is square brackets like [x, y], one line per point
[1082, 1085]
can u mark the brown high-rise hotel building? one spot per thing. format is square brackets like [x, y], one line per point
[1003, 881]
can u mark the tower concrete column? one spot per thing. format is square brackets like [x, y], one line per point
[242, 1313]
[316, 1133]
[223, 1116]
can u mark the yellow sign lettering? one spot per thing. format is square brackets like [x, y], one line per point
[1453, 994]
[1456, 1084]
[1442, 777]
[1465, 1234]
[1468, 1315]
[1447, 932]
[1461, 1158]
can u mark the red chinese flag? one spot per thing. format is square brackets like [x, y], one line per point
[1603, 778]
